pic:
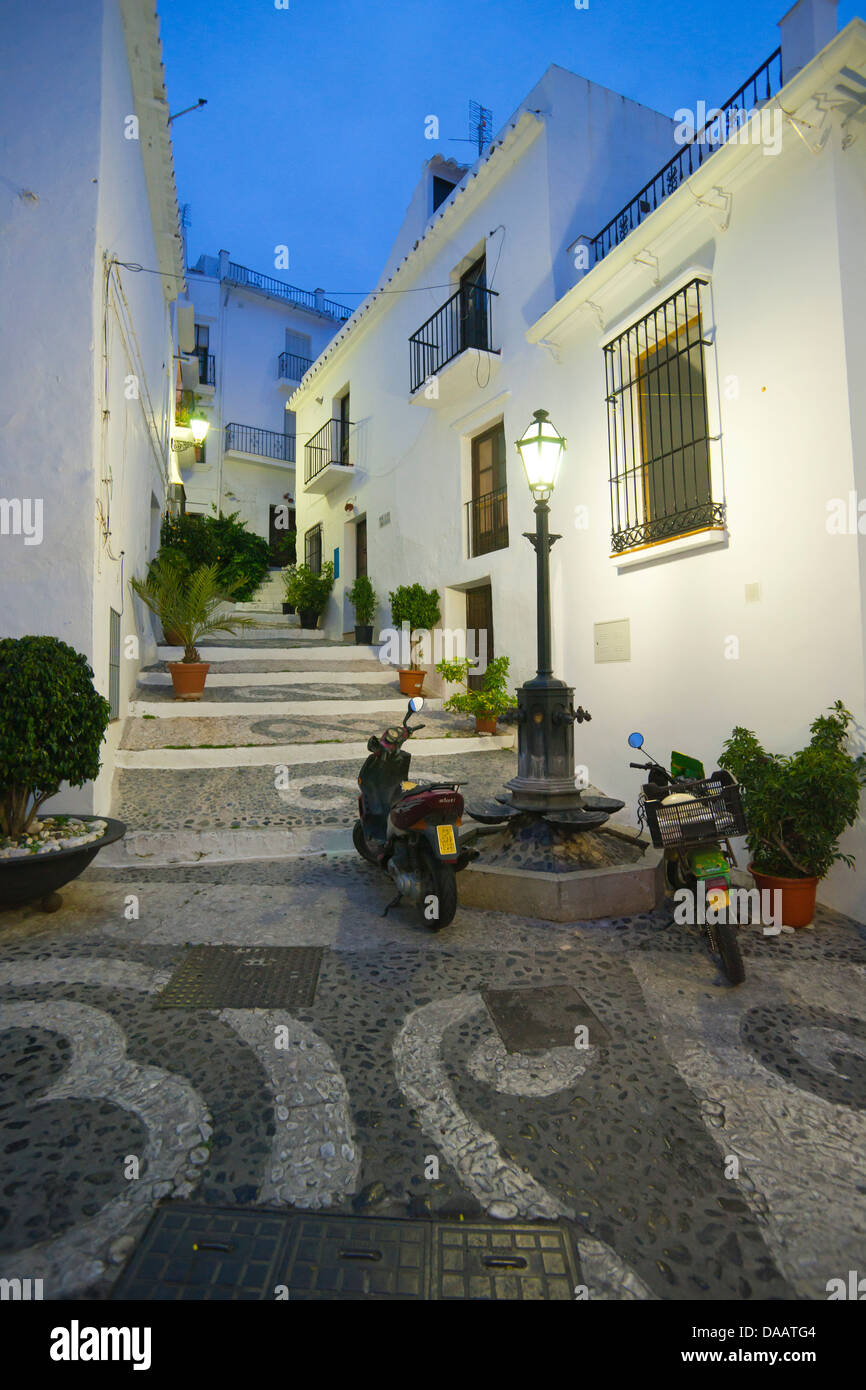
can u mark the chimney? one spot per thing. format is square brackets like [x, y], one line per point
[805, 30]
[224, 265]
[320, 299]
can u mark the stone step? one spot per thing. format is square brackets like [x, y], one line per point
[282, 727]
[380, 675]
[207, 709]
[293, 754]
[299, 654]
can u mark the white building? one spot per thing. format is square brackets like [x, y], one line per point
[692, 317]
[87, 365]
[250, 339]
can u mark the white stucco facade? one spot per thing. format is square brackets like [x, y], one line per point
[251, 321]
[87, 355]
[758, 620]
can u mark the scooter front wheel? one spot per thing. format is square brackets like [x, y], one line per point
[438, 902]
[360, 842]
[724, 939]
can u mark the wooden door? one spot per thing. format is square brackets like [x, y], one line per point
[479, 619]
[361, 547]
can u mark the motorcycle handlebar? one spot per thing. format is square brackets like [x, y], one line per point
[644, 767]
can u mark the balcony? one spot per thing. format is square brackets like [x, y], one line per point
[253, 442]
[726, 121]
[206, 368]
[487, 523]
[441, 365]
[290, 369]
[327, 456]
[278, 289]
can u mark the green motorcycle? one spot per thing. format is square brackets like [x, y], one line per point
[692, 818]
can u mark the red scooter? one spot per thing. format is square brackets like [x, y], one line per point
[408, 828]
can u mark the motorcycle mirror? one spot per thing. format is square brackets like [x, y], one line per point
[635, 740]
[416, 704]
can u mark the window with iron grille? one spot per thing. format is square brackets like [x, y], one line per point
[658, 431]
[313, 548]
[114, 664]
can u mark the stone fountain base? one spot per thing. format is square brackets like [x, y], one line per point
[536, 869]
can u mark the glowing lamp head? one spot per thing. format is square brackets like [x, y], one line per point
[199, 428]
[541, 450]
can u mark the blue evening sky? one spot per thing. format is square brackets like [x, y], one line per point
[313, 135]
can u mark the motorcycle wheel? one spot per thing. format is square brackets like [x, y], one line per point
[440, 881]
[360, 843]
[724, 939]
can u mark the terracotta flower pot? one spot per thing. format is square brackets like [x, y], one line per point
[188, 678]
[798, 896]
[411, 682]
[485, 723]
[171, 639]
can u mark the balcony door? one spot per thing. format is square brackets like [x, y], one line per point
[473, 306]
[343, 455]
[479, 619]
[488, 509]
[361, 547]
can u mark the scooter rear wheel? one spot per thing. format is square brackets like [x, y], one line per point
[360, 843]
[729, 950]
[439, 881]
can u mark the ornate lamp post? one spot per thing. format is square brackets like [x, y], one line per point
[545, 780]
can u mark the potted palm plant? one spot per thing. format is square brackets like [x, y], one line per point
[419, 608]
[362, 597]
[796, 806]
[193, 607]
[52, 723]
[309, 592]
[486, 704]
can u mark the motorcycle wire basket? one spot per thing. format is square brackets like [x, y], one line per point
[709, 811]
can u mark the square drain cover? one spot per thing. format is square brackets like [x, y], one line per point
[239, 977]
[534, 1019]
[191, 1253]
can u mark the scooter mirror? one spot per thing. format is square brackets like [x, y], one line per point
[416, 704]
[635, 740]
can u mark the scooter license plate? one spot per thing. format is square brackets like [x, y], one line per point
[447, 842]
[718, 898]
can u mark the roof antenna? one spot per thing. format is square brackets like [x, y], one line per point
[480, 127]
[202, 101]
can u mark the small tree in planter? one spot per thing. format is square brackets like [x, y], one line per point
[192, 605]
[796, 807]
[308, 591]
[52, 723]
[486, 704]
[419, 607]
[362, 597]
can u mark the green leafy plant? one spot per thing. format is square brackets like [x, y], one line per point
[52, 723]
[242, 558]
[189, 605]
[417, 606]
[797, 805]
[492, 700]
[362, 597]
[306, 590]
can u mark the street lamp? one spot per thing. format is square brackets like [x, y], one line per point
[199, 427]
[545, 780]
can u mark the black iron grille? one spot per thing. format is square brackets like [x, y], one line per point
[313, 548]
[487, 522]
[658, 433]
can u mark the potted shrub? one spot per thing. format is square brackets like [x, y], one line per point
[362, 597]
[419, 607]
[486, 704]
[309, 592]
[796, 806]
[192, 605]
[52, 723]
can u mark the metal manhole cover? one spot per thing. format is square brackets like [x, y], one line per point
[190, 1253]
[238, 977]
[535, 1019]
[503, 1262]
[193, 1253]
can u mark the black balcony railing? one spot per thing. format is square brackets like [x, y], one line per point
[464, 321]
[251, 279]
[487, 522]
[292, 367]
[206, 367]
[269, 444]
[330, 444]
[759, 88]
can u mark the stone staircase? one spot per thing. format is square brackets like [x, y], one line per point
[266, 763]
